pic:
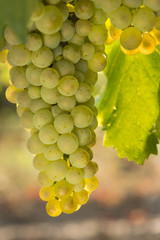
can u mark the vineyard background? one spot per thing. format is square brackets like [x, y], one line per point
[124, 207]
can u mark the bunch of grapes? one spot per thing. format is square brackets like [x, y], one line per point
[135, 23]
[51, 82]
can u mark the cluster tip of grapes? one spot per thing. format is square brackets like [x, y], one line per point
[52, 79]
[135, 23]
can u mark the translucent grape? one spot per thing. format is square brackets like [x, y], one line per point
[68, 143]
[34, 92]
[79, 75]
[51, 21]
[133, 3]
[90, 103]
[144, 19]
[38, 104]
[71, 53]
[121, 18]
[20, 55]
[56, 111]
[40, 162]
[27, 119]
[38, 12]
[67, 31]
[42, 118]
[64, 67]
[87, 51]
[50, 95]
[34, 41]
[18, 78]
[58, 52]
[44, 180]
[81, 197]
[84, 136]
[52, 152]
[53, 208]
[10, 36]
[80, 158]
[154, 4]
[74, 175]
[98, 34]
[83, 94]
[93, 140]
[63, 189]
[91, 184]
[20, 110]
[47, 193]
[81, 66]
[68, 205]
[52, 40]
[98, 62]
[63, 9]
[42, 58]
[63, 123]
[77, 40]
[99, 16]
[130, 38]
[84, 9]
[115, 33]
[156, 34]
[148, 44]
[49, 78]
[83, 27]
[82, 116]
[48, 134]
[66, 103]
[57, 170]
[80, 186]
[130, 52]
[68, 85]
[90, 170]
[34, 144]
[109, 5]
[23, 99]
[90, 77]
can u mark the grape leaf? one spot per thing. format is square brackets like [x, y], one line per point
[129, 108]
[16, 13]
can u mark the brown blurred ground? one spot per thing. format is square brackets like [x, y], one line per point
[126, 206]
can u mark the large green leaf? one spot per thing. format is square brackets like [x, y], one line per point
[16, 13]
[129, 107]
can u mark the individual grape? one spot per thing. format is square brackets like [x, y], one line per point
[34, 41]
[68, 143]
[84, 9]
[144, 19]
[68, 205]
[94, 123]
[130, 38]
[38, 104]
[27, 119]
[53, 208]
[34, 144]
[57, 170]
[64, 10]
[34, 92]
[33, 74]
[64, 67]
[81, 66]
[90, 77]
[49, 78]
[74, 175]
[115, 33]
[63, 189]
[52, 152]
[56, 111]
[109, 5]
[98, 34]
[99, 17]
[9, 61]
[93, 140]
[52, 40]
[67, 31]
[89, 150]
[81, 197]
[20, 110]
[91, 184]
[133, 3]
[77, 40]
[100, 48]
[50, 95]
[80, 158]
[82, 116]
[95, 110]
[38, 12]
[90, 103]
[47, 193]
[68, 85]
[154, 4]
[42, 118]
[80, 186]
[10, 36]
[20, 55]
[87, 51]
[40, 162]
[44, 180]
[148, 44]
[51, 21]
[79, 75]
[58, 52]
[66, 103]
[97, 63]
[121, 18]
[90, 170]
[42, 58]
[48, 134]
[63, 123]
[130, 52]
[23, 99]
[18, 78]
[84, 93]
[83, 27]
[84, 136]
[71, 53]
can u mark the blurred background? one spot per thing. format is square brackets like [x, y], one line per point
[125, 206]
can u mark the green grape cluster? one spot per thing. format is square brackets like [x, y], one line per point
[135, 23]
[52, 80]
